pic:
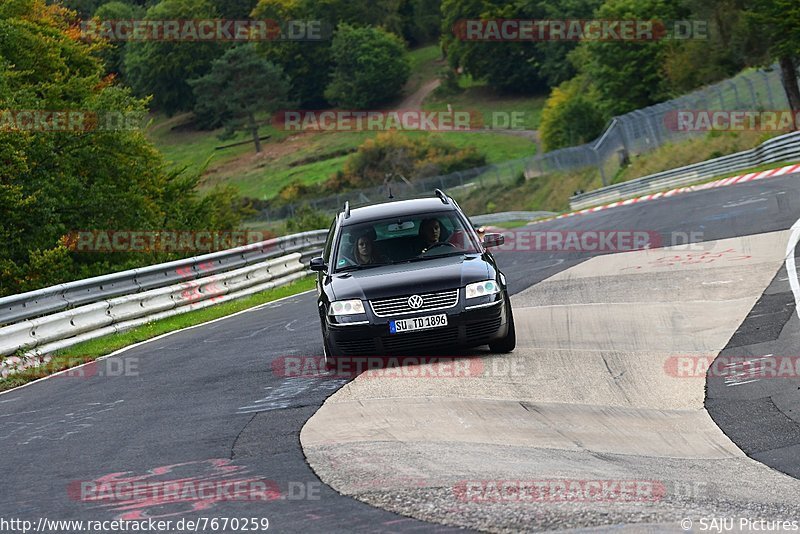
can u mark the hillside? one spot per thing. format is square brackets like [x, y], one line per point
[312, 157]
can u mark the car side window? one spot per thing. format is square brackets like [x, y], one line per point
[326, 252]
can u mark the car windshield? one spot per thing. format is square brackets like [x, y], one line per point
[398, 240]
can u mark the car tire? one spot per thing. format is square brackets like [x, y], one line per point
[509, 342]
[328, 355]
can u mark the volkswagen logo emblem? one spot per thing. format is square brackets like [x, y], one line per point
[414, 302]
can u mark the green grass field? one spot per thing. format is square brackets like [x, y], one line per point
[476, 96]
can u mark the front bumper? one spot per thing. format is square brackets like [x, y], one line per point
[466, 327]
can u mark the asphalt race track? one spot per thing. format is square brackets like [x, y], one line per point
[597, 392]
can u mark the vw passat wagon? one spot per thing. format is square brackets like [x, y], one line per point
[408, 276]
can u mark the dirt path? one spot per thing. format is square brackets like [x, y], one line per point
[415, 99]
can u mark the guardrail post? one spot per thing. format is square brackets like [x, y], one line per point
[600, 167]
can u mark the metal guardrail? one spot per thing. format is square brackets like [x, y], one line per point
[778, 149]
[60, 316]
[507, 216]
[63, 296]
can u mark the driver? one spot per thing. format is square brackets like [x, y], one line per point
[430, 230]
[364, 251]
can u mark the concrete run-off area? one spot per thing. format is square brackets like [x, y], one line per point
[586, 399]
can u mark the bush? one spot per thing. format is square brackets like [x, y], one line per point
[448, 85]
[294, 191]
[307, 218]
[405, 156]
[571, 116]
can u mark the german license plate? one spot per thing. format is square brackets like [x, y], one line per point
[417, 323]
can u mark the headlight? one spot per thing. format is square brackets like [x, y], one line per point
[346, 307]
[481, 289]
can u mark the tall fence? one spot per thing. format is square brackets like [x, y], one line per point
[626, 135]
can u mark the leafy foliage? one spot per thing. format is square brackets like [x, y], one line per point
[307, 218]
[163, 68]
[420, 20]
[240, 85]
[571, 116]
[628, 74]
[507, 66]
[370, 67]
[391, 155]
[308, 64]
[55, 182]
[113, 55]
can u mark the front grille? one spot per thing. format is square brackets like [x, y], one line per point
[399, 305]
[482, 331]
[415, 341]
[357, 347]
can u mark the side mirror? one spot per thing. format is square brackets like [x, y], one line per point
[493, 240]
[318, 264]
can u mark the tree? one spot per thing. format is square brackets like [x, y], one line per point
[780, 23]
[87, 8]
[235, 9]
[507, 66]
[240, 85]
[733, 42]
[370, 67]
[421, 20]
[551, 57]
[308, 63]
[628, 74]
[114, 54]
[162, 68]
[55, 182]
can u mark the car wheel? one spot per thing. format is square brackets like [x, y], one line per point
[330, 357]
[507, 343]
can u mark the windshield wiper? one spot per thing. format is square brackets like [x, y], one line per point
[422, 258]
[360, 267]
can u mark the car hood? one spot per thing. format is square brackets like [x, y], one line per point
[436, 274]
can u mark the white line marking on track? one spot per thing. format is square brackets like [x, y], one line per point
[791, 268]
[743, 202]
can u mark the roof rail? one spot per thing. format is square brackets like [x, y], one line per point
[442, 196]
[347, 209]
